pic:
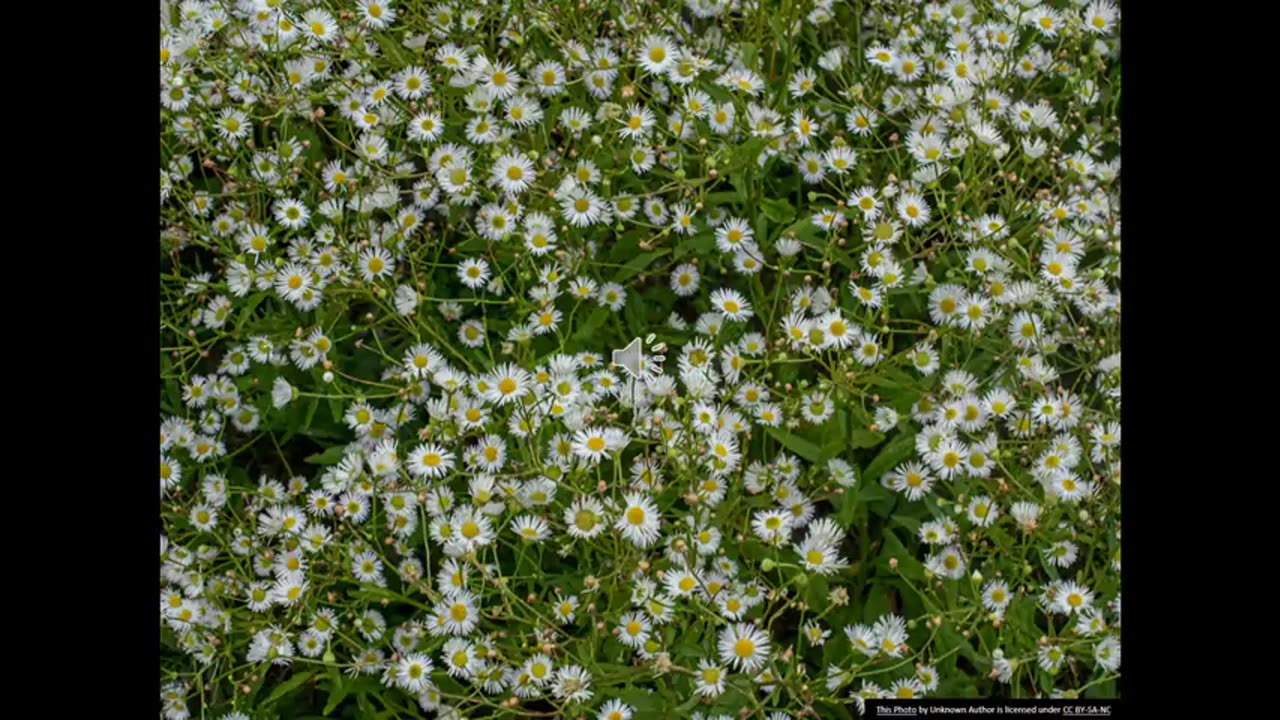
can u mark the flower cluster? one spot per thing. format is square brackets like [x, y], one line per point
[873, 446]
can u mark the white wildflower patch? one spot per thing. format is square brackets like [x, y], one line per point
[869, 445]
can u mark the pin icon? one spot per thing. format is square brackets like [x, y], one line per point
[629, 358]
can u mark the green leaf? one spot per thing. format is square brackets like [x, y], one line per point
[392, 49]
[1102, 690]
[873, 492]
[246, 310]
[848, 509]
[331, 456]
[815, 591]
[908, 566]
[894, 379]
[897, 450]
[699, 244]
[980, 363]
[312, 145]
[719, 198]
[908, 523]
[637, 264]
[337, 691]
[833, 449]
[859, 438]
[288, 686]
[172, 392]
[778, 210]
[1046, 681]
[877, 603]
[311, 413]
[588, 329]
[647, 704]
[1021, 616]
[797, 445]
[948, 637]
[633, 313]
[739, 187]
[811, 235]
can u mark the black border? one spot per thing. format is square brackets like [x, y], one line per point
[99, 346]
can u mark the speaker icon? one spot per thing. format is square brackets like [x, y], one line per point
[630, 358]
